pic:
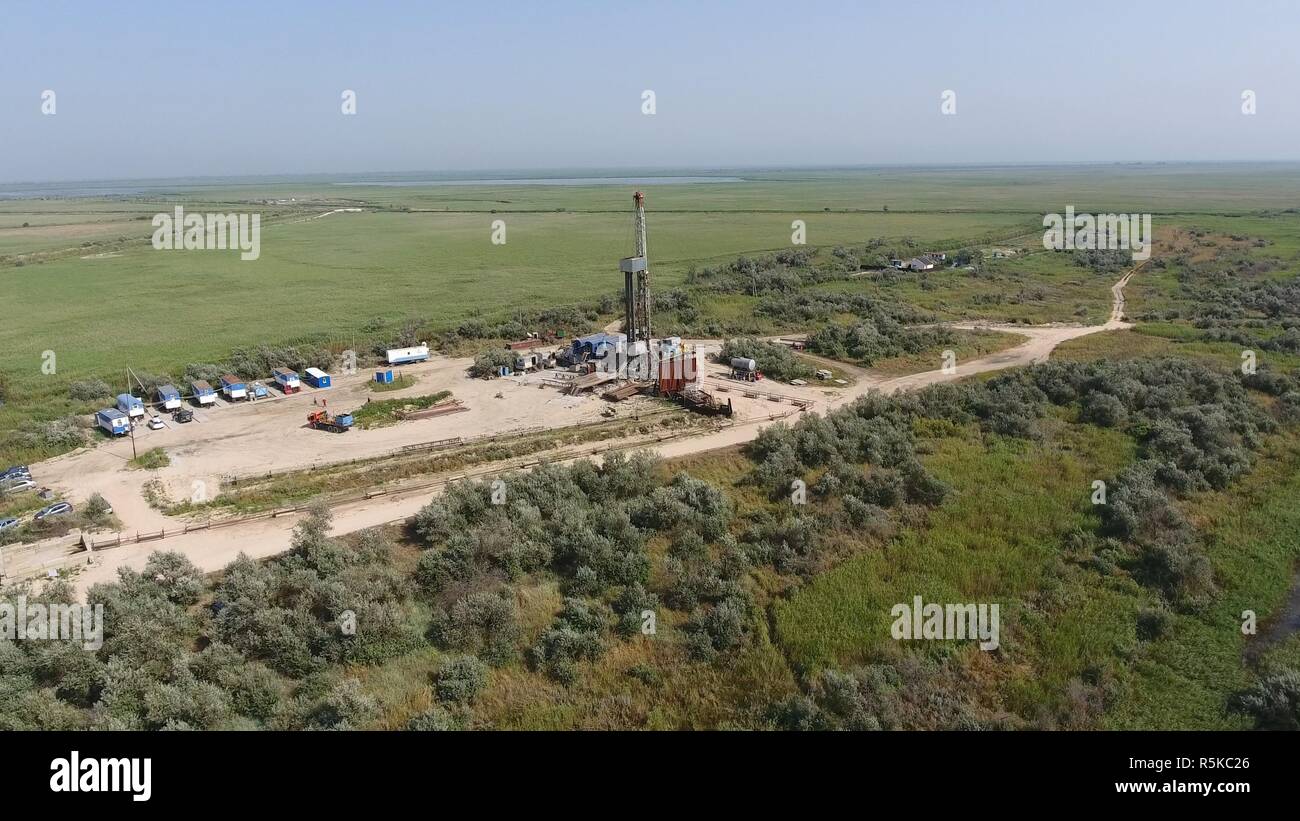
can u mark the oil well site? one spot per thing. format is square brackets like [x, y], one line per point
[648, 367]
[366, 433]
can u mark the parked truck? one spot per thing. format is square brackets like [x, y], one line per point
[321, 420]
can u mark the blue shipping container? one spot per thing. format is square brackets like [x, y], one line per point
[316, 378]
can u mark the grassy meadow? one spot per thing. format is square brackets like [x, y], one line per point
[80, 278]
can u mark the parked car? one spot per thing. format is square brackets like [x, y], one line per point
[16, 470]
[5, 524]
[17, 485]
[56, 509]
[183, 415]
[156, 423]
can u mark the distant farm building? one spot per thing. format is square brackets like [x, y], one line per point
[925, 262]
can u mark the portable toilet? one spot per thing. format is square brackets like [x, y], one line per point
[316, 378]
[168, 397]
[203, 392]
[113, 421]
[233, 387]
[130, 405]
[257, 391]
[384, 377]
[404, 356]
[287, 380]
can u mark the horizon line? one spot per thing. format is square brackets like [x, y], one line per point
[615, 171]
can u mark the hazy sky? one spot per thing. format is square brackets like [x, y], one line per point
[254, 88]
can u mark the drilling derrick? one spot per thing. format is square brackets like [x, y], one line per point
[643, 277]
[636, 282]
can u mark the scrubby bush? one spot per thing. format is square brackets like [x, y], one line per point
[460, 679]
[488, 363]
[434, 719]
[720, 628]
[205, 372]
[774, 360]
[1152, 623]
[176, 576]
[259, 361]
[575, 636]
[630, 604]
[1103, 410]
[914, 693]
[875, 337]
[54, 436]
[1273, 703]
[89, 390]
[345, 707]
[482, 623]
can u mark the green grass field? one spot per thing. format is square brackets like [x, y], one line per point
[81, 280]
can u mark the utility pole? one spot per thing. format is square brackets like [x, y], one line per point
[130, 421]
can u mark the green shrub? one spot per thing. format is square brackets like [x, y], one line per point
[89, 390]
[460, 679]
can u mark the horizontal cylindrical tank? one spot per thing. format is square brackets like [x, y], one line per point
[741, 363]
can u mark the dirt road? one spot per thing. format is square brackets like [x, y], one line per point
[270, 435]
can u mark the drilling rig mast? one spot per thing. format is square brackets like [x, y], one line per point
[636, 281]
[643, 278]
